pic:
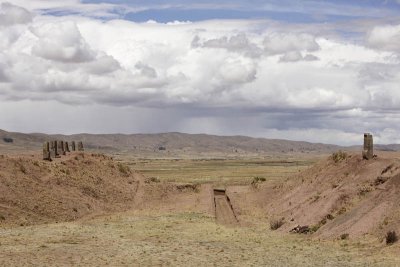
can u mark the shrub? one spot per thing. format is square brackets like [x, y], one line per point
[339, 156]
[362, 191]
[124, 169]
[8, 140]
[152, 180]
[257, 180]
[22, 168]
[391, 237]
[276, 223]
[344, 236]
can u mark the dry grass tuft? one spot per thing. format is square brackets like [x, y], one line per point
[391, 237]
[277, 223]
[339, 156]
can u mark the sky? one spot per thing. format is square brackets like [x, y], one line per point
[318, 71]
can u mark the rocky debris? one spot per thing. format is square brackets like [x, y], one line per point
[301, 229]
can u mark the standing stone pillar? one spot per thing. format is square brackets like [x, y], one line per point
[368, 151]
[73, 146]
[54, 149]
[66, 147]
[61, 147]
[46, 151]
[80, 146]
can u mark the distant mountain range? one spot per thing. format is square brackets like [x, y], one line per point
[175, 144]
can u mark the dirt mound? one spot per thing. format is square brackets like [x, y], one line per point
[343, 196]
[35, 191]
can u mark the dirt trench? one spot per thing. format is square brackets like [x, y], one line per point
[224, 213]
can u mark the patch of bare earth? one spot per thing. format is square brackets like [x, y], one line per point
[35, 191]
[109, 215]
[350, 198]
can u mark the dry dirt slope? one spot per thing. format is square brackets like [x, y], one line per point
[35, 191]
[351, 196]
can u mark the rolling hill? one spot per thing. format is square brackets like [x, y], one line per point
[173, 144]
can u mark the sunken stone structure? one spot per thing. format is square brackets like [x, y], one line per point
[368, 151]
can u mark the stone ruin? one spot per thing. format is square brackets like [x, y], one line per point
[46, 151]
[61, 147]
[66, 147]
[73, 146]
[54, 149]
[368, 151]
[80, 146]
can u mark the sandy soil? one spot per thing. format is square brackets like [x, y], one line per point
[139, 221]
[353, 196]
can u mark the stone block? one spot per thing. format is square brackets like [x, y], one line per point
[368, 150]
[73, 146]
[66, 147]
[80, 146]
[46, 151]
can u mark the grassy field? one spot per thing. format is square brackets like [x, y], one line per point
[218, 171]
[162, 238]
[182, 239]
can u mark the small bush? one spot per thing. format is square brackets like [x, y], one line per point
[391, 237]
[344, 236]
[276, 223]
[385, 170]
[22, 168]
[330, 217]
[124, 169]
[339, 156]
[380, 180]
[362, 191]
[8, 140]
[257, 180]
[342, 210]
[2, 217]
[152, 180]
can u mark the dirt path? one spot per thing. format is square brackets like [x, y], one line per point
[223, 209]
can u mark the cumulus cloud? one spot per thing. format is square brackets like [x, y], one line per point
[236, 43]
[211, 73]
[61, 42]
[151, 64]
[278, 43]
[386, 37]
[293, 56]
[11, 14]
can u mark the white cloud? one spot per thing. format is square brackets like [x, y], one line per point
[42, 4]
[277, 43]
[11, 14]
[61, 42]
[237, 43]
[275, 82]
[385, 37]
